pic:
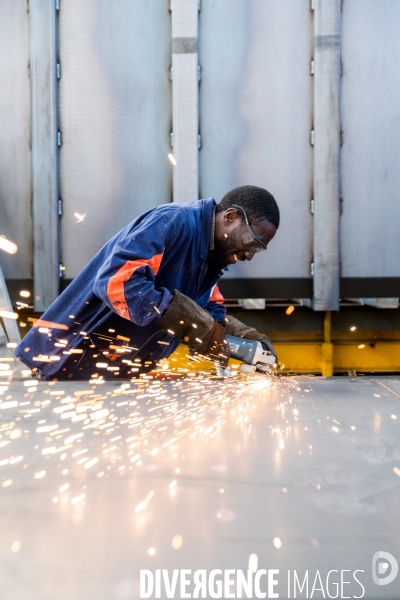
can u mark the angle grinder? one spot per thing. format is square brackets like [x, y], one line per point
[250, 353]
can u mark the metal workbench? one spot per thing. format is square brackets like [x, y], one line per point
[196, 473]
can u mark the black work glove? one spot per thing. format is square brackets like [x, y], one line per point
[185, 319]
[235, 327]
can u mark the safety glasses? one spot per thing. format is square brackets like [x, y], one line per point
[250, 240]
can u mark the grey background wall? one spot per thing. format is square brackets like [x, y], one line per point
[256, 105]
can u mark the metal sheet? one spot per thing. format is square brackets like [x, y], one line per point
[44, 126]
[256, 116]
[185, 99]
[115, 104]
[15, 154]
[370, 242]
[326, 154]
[310, 462]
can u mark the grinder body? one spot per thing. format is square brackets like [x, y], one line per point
[251, 354]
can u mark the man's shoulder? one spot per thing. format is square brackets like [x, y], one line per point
[184, 207]
[188, 212]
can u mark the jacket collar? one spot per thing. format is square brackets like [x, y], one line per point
[207, 215]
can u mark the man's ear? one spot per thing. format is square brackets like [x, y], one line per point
[230, 215]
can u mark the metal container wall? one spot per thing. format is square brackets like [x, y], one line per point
[256, 115]
[15, 154]
[115, 113]
[256, 97]
[370, 240]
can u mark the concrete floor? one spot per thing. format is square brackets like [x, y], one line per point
[299, 471]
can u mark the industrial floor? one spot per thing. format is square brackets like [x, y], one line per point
[100, 481]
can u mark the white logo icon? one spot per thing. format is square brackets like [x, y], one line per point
[380, 568]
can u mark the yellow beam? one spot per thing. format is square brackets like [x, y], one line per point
[379, 356]
[327, 347]
[313, 357]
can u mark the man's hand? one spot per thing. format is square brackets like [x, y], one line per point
[235, 327]
[184, 318]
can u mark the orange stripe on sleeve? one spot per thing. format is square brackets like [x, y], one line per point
[115, 286]
[216, 296]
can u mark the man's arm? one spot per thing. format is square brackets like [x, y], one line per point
[126, 281]
[234, 326]
[237, 328]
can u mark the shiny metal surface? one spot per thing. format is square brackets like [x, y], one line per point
[256, 105]
[115, 111]
[185, 100]
[306, 460]
[371, 139]
[45, 142]
[326, 127]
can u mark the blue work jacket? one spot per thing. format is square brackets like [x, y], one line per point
[134, 275]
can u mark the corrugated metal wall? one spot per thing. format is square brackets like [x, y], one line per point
[115, 119]
[370, 240]
[15, 142]
[256, 115]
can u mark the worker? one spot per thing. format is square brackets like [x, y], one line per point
[152, 286]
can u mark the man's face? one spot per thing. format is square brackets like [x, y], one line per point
[228, 243]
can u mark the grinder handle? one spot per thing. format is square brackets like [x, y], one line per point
[241, 349]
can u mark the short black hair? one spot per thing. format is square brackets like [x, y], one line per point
[257, 202]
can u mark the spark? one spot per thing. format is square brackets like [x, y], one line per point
[46, 428]
[8, 245]
[144, 504]
[172, 159]
[177, 542]
[78, 499]
[48, 324]
[277, 543]
[49, 450]
[91, 462]
[289, 310]
[11, 404]
[253, 563]
[79, 217]
[6, 314]
[15, 546]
